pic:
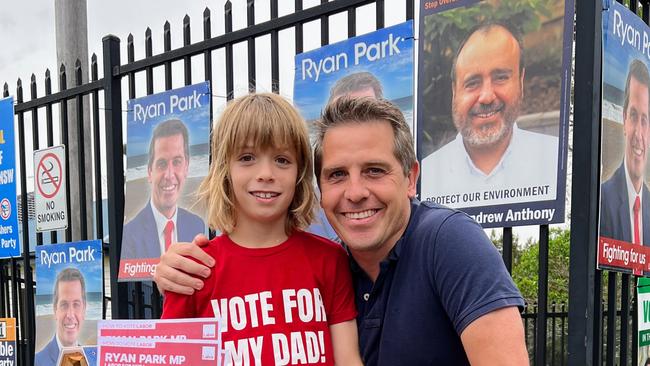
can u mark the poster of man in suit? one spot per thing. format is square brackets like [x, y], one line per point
[167, 157]
[624, 225]
[69, 298]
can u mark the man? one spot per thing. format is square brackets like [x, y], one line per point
[625, 200]
[69, 306]
[490, 150]
[431, 289]
[354, 85]
[358, 84]
[161, 218]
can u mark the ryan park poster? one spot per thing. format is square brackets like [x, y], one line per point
[624, 226]
[378, 64]
[168, 150]
[643, 318]
[492, 96]
[69, 297]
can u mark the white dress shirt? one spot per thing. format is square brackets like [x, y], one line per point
[527, 172]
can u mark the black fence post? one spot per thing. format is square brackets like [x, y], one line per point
[584, 308]
[506, 252]
[28, 326]
[542, 296]
[114, 169]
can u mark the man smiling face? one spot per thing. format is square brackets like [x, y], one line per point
[636, 129]
[364, 190]
[488, 87]
[167, 173]
[69, 311]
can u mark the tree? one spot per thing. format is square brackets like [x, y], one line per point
[525, 268]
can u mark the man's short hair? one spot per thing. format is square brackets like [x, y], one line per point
[485, 28]
[639, 71]
[354, 82]
[265, 120]
[168, 128]
[346, 110]
[69, 274]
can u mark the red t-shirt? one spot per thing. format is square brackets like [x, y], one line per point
[276, 304]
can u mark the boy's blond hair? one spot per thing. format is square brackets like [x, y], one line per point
[267, 121]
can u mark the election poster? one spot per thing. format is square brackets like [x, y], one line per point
[168, 153]
[193, 328]
[493, 100]
[156, 352]
[378, 64]
[8, 349]
[121, 341]
[643, 318]
[69, 297]
[624, 226]
[9, 238]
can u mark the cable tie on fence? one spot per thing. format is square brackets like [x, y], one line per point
[110, 109]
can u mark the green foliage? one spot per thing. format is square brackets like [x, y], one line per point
[522, 15]
[525, 268]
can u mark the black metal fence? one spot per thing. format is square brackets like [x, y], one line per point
[556, 336]
[547, 332]
[595, 338]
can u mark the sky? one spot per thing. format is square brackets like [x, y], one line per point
[27, 32]
[27, 36]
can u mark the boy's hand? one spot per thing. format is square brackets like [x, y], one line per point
[174, 272]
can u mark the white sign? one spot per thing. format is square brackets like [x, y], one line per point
[50, 187]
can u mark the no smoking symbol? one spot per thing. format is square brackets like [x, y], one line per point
[48, 175]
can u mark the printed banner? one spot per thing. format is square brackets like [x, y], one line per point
[9, 238]
[378, 64]
[168, 152]
[196, 328]
[493, 89]
[69, 297]
[148, 352]
[643, 317]
[625, 131]
[8, 349]
[118, 337]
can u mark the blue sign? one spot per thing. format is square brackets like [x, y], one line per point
[74, 271]
[377, 64]
[9, 239]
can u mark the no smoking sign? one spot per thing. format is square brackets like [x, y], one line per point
[50, 183]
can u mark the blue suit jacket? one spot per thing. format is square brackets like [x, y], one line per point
[140, 237]
[48, 355]
[615, 221]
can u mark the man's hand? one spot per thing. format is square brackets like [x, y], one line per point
[174, 271]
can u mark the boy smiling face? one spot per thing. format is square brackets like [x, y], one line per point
[263, 182]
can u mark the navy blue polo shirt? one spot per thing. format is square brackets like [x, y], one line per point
[441, 275]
